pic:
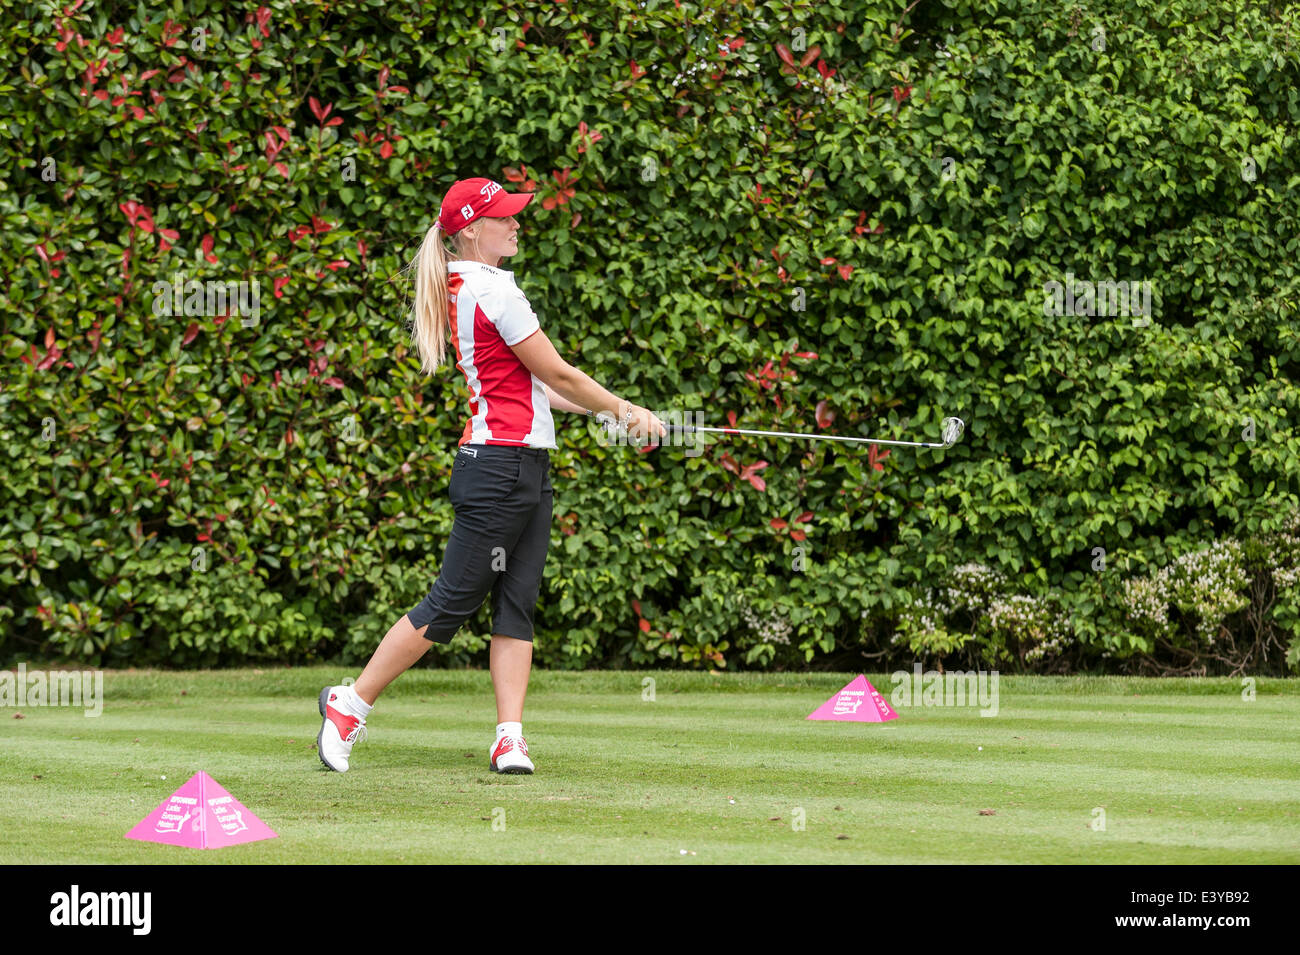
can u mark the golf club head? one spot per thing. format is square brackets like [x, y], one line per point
[952, 431]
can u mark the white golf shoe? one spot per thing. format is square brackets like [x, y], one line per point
[509, 754]
[338, 731]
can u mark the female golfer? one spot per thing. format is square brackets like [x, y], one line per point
[500, 482]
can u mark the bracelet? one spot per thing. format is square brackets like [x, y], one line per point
[604, 417]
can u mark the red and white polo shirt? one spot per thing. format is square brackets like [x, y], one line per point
[489, 313]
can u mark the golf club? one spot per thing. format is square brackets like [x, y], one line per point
[952, 432]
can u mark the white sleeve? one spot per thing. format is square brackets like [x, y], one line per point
[514, 318]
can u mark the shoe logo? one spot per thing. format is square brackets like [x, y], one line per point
[333, 697]
[347, 726]
[508, 743]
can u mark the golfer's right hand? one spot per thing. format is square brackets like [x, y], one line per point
[644, 425]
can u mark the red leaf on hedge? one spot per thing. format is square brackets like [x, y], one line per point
[207, 245]
[383, 77]
[636, 605]
[825, 417]
[49, 337]
[191, 333]
[334, 382]
[750, 475]
[798, 535]
[805, 354]
[812, 54]
[731, 418]
[778, 524]
[636, 71]
[805, 517]
[783, 52]
[51, 357]
[845, 271]
[902, 93]
[644, 624]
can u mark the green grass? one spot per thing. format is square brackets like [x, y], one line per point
[1186, 771]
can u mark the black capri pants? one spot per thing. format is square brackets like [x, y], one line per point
[502, 498]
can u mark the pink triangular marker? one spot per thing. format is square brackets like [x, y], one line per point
[858, 702]
[201, 815]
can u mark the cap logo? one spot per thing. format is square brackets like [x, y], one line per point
[490, 190]
[467, 211]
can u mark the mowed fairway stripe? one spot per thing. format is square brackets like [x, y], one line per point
[1182, 776]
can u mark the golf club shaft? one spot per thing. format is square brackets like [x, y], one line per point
[688, 429]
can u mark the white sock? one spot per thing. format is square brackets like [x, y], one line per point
[354, 705]
[511, 729]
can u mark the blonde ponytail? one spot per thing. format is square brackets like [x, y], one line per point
[431, 322]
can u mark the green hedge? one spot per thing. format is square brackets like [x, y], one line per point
[808, 215]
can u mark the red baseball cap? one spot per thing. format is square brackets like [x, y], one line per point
[469, 199]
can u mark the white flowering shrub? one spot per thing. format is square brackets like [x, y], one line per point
[975, 606]
[1031, 627]
[924, 625]
[1232, 604]
[1205, 585]
[1281, 555]
[921, 628]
